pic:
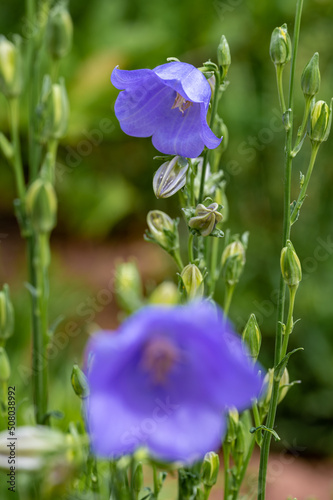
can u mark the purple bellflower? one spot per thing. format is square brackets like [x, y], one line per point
[169, 103]
[165, 380]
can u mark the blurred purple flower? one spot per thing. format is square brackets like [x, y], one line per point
[165, 381]
[169, 103]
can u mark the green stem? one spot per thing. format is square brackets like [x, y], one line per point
[229, 290]
[155, 479]
[226, 458]
[211, 123]
[286, 233]
[290, 324]
[17, 161]
[244, 468]
[279, 72]
[177, 258]
[39, 364]
[301, 130]
[302, 194]
[213, 265]
[190, 248]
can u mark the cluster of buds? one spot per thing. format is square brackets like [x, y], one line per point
[11, 68]
[280, 46]
[268, 387]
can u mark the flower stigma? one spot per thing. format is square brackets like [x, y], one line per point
[181, 103]
[159, 357]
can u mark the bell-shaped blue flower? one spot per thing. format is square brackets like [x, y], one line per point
[169, 103]
[165, 381]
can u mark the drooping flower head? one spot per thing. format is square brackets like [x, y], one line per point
[169, 103]
[165, 381]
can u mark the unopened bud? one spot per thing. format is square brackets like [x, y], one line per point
[310, 80]
[162, 228]
[239, 449]
[280, 46]
[137, 480]
[170, 177]
[232, 425]
[4, 366]
[166, 293]
[6, 314]
[60, 110]
[268, 384]
[290, 265]
[79, 382]
[252, 336]
[10, 67]
[59, 32]
[41, 205]
[205, 218]
[233, 262]
[320, 122]
[128, 286]
[193, 281]
[223, 56]
[210, 469]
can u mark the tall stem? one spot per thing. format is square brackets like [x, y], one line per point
[211, 123]
[302, 194]
[17, 163]
[286, 233]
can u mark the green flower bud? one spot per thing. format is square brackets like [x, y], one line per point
[320, 121]
[166, 293]
[268, 383]
[6, 314]
[193, 281]
[232, 425]
[128, 286]
[59, 32]
[205, 219]
[11, 70]
[137, 480]
[233, 262]
[280, 46]
[210, 469]
[161, 228]
[223, 56]
[290, 266]
[60, 110]
[252, 336]
[239, 449]
[41, 205]
[170, 177]
[4, 366]
[79, 382]
[310, 80]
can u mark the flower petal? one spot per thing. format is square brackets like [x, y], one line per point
[179, 133]
[187, 80]
[208, 137]
[194, 430]
[140, 110]
[125, 80]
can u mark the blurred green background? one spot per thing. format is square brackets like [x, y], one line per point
[104, 184]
